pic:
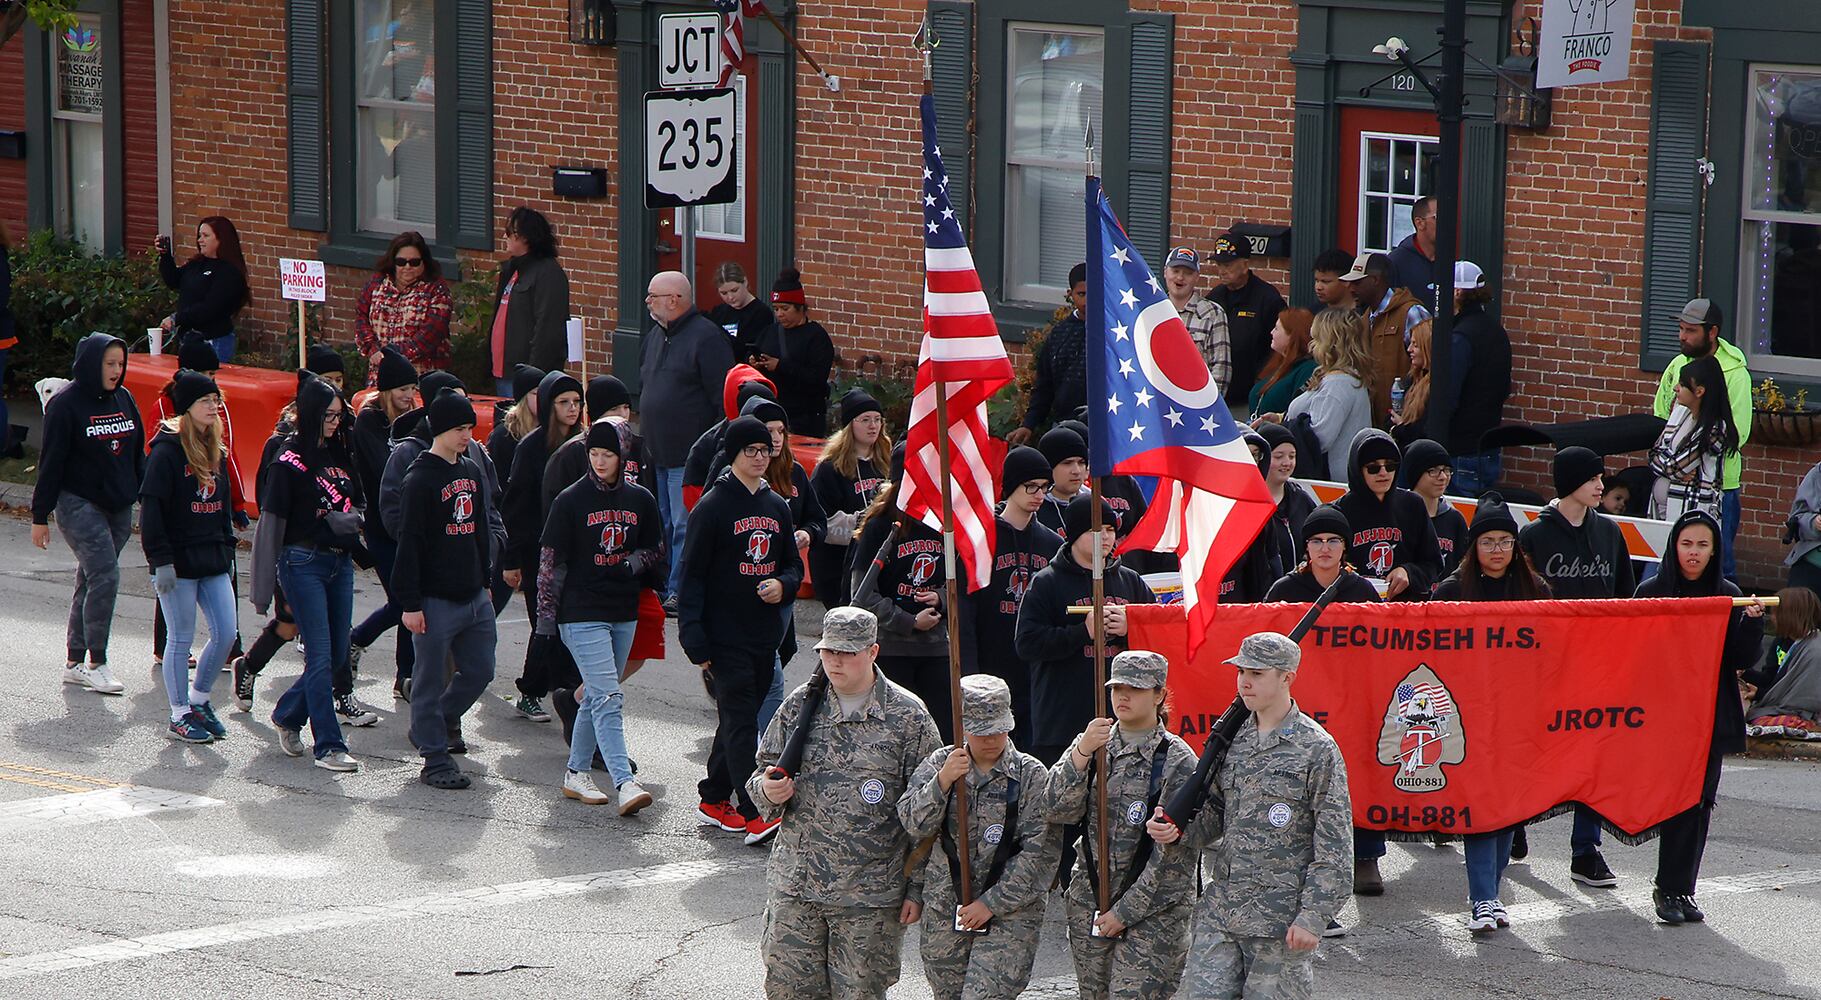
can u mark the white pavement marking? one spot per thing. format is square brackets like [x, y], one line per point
[94, 807]
[461, 901]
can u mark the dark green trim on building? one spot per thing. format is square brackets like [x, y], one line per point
[40, 146]
[1672, 213]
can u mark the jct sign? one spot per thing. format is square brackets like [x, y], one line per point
[1584, 41]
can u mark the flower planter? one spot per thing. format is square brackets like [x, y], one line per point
[1786, 428]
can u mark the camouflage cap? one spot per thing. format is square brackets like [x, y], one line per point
[848, 630]
[986, 705]
[1139, 668]
[1267, 651]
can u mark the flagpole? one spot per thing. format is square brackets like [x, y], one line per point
[926, 42]
[1098, 611]
[833, 83]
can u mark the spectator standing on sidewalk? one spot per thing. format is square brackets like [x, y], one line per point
[8, 341]
[1699, 335]
[531, 309]
[1206, 321]
[1481, 361]
[1061, 383]
[796, 354]
[406, 306]
[683, 366]
[1413, 259]
[88, 475]
[852, 471]
[1288, 372]
[1391, 315]
[1330, 290]
[1338, 403]
[211, 288]
[743, 315]
[1251, 304]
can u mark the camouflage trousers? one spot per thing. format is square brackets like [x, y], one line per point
[815, 951]
[1144, 962]
[991, 966]
[1223, 966]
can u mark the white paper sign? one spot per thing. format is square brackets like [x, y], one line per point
[302, 280]
[1584, 41]
[574, 329]
[689, 50]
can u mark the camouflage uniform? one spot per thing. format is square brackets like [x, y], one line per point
[1279, 853]
[963, 965]
[837, 871]
[1147, 960]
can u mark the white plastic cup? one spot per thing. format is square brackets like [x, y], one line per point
[155, 338]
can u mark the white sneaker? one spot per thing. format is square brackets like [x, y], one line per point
[632, 797]
[1480, 919]
[580, 786]
[337, 760]
[96, 678]
[291, 742]
[1499, 914]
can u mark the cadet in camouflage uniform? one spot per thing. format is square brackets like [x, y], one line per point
[839, 896]
[1281, 849]
[1144, 937]
[1014, 851]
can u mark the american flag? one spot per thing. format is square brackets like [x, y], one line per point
[1439, 702]
[733, 34]
[961, 347]
[1154, 411]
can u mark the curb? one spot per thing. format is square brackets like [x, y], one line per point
[1763, 747]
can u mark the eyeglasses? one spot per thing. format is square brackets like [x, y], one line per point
[661, 295]
[1380, 467]
[333, 415]
[1034, 487]
[756, 451]
[1440, 472]
[1327, 542]
[1495, 544]
[407, 262]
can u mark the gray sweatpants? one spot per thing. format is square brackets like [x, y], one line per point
[465, 630]
[97, 537]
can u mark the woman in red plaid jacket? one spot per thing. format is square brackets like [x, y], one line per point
[407, 305]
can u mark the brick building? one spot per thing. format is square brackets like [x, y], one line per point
[322, 127]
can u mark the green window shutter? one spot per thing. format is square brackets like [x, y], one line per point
[952, 85]
[306, 132]
[1672, 217]
[473, 173]
[1147, 214]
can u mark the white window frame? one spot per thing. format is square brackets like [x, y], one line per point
[393, 225]
[736, 209]
[1397, 199]
[62, 123]
[1754, 224]
[1013, 245]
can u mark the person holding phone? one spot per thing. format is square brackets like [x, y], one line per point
[797, 355]
[211, 288]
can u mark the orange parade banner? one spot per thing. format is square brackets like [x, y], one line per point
[1462, 718]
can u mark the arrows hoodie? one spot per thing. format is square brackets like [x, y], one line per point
[94, 439]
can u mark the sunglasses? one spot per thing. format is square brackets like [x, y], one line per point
[408, 262]
[1380, 468]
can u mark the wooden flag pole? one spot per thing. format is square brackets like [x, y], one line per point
[833, 83]
[303, 337]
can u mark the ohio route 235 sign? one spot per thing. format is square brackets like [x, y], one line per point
[690, 148]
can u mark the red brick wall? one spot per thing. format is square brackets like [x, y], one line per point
[12, 116]
[139, 60]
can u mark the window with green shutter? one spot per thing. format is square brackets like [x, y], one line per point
[1672, 217]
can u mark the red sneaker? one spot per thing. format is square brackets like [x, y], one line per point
[721, 814]
[760, 831]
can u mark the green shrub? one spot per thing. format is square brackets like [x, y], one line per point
[470, 329]
[61, 293]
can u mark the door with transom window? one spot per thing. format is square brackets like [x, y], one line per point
[1388, 160]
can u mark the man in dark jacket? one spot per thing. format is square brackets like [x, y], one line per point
[1413, 260]
[1252, 305]
[1393, 538]
[1482, 359]
[683, 365]
[1061, 385]
[1060, 646]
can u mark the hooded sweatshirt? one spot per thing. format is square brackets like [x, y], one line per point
[1392, 532]
[912, 566]
[1450, 534]
[444, 548]
[182, 522]
[523, 504]
[989, 616]
[371, 444]
[310, 479]
[1057, 646]
[837, 494]
[411, 438]
[736, 538]
[1743, 634]
[1301, 587]
[742, 382]
[603, 543]
[94, 440]
[570, 464]
[1588, 562]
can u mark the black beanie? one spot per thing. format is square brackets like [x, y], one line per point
[1327, 520]
[188, 387]
[395, 371]
[743, 432]
[198, 356]
[525, 380]
[1276, 435]
[432, 383]
[766, 410]
[1023, 464]
[449, 410]
[1078, 426]
[1059, 444]
[604, 393]
[1420, 456]
[604, 433]
[323, 359]
[1492, 514]
[1077, 516]
[1254, 439]
[856, 402]
[1574, 467]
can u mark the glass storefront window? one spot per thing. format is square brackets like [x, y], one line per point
[395, 116]
[76, 117]
[1395, 171]
[1053, 95]
[1780, 244]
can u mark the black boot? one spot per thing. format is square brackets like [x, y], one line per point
[1669, 908]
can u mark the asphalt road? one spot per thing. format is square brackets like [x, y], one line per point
[138, 867]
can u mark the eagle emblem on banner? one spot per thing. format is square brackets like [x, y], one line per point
[1422, 731]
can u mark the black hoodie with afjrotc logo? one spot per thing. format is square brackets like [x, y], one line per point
[913, 565]
[444, 545]
[1058, 647]
[1392, 532]
[184, 521]
[736, 539]
[603, 543]
[94, 440]
[989, 616]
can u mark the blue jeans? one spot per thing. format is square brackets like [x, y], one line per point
[600, 650]
[1475, 474]
[1729, 529]
[670, 506]
[1487, 856]
[225, 346]
[319, 586]
[1585, 839]
[774, 696]
[216, 595]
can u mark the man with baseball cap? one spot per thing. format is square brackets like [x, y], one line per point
[1280, 845]
[985, 948]
[1698, 332]
[839, 897]
[1251, 305]
[1391, 313]
[1206, 321]
[1481, 366]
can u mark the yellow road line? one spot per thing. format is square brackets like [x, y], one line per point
[38, 783]
[46, 772]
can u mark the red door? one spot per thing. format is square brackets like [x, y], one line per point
[724, 232]
[1387, 161]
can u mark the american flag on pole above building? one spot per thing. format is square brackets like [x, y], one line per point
[963, 353]
[1154, 411]
[733, 34]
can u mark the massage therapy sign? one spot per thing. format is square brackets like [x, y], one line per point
[1461, 718]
